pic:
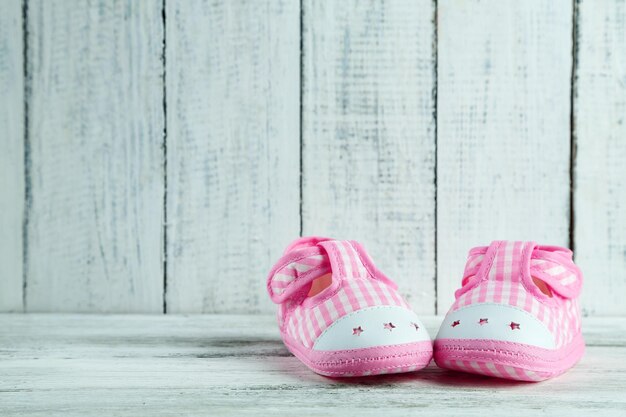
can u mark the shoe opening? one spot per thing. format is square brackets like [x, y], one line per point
[320, 284]
[543, 287]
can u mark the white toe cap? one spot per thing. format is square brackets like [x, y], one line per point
[372, 326]
[490, 321]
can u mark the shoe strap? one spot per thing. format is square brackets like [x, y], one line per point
[517, 261]
[311, 257]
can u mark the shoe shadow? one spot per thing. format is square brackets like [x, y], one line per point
[276, 357]
[432, 375]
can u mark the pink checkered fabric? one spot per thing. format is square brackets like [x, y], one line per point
[495, 370]
[502, 273]
[357, 284]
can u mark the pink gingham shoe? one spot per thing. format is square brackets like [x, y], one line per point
[340, 315]
[516, 315]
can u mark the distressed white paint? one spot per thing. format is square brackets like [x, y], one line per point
[368, 134]
[95, 226]
[11, 154]
[600, 169]
[233, 161]
[503, 128]
[222, 365]
[96, 131]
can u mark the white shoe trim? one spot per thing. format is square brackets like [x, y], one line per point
[501, 325]
[341, 334]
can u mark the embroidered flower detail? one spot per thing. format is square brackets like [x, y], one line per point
[357, 331]
[482, 322]
[514, 326]
[389, 326]
[456, 323]
[415, 325]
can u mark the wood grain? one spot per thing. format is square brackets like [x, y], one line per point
[233, 161]
[600, 172]
[368, 134]
[96, 128]
[12, 155]
[172, 365]
[503, 123]
[102, 74]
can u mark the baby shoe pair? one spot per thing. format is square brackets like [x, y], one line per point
[516, 315]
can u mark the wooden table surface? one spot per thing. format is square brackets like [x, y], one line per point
[139, 365]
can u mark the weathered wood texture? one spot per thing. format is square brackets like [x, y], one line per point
[503, 128]
[368, 143]
[236, 365]
[373, 159]
[233, 160]
[600, 160]
[96, 133]
[11, 155]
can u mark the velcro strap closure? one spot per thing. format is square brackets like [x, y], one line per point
[517, 261]
[295, 270]
[309, 258]
[556, 268]
[344, 259]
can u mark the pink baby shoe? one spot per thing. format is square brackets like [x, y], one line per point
[340, 315]
[516, 315]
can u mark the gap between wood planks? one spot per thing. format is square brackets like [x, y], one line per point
[27, 156]
[572, 130]
[164, 62]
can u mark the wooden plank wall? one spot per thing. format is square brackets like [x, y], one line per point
[95, 125]
[11, 155]
[233, 157]
[158, 155]
[503, 127]
[368, 141]
[600, 164]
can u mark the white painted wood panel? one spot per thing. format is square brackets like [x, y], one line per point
[233, 161]
[218, 365]
[11, 154]
[503, 124]
[96, 132]
[95, 238]
[368, 134]
[600, 168]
